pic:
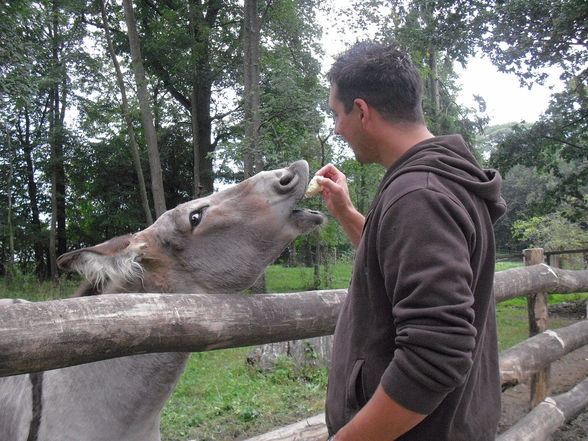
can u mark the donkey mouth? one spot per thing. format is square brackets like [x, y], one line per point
[307, 220]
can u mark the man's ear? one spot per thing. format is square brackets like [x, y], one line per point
[116, 260]
[364, 109]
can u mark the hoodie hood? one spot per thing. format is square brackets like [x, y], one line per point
[450, 157]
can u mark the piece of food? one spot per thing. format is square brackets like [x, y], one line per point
[313, 188]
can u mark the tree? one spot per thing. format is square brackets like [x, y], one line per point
[437, 35]
[143, 94]
[553, 233]
[556, 146]
[522, 41]
[126, 113]
[208, 31]
[23, 125]
[251, 93]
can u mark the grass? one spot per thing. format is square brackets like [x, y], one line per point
[294, 279]
[220, 397]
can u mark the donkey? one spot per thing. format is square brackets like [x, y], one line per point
[217, 244]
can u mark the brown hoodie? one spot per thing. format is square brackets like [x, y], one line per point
[419, 318]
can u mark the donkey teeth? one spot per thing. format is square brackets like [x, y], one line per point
[314, 187]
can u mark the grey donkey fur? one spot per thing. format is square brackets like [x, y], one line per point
[217, 244]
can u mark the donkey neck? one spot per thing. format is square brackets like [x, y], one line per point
[95, 389]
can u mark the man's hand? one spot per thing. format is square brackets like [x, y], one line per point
[381, 419]
[336, 194]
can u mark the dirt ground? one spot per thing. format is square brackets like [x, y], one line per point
[565, 374]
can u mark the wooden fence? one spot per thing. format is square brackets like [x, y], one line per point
[48, 335]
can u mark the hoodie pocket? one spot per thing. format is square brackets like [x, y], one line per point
[355, 393]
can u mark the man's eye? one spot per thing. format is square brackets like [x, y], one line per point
[196, 217]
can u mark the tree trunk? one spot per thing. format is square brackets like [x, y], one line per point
[252, 158]
[39, 246]
[195, 26]
[146, 114]
[128, 118]
[58, 93]
[434, 85]
[10, 261]
[205, 146]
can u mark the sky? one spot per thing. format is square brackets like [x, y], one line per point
[506, 100]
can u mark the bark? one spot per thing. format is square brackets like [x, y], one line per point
[202, 15]
[528, 280]
[521, 361]
[58, 96]
[48, 335]
[128, 119]
[205, 146]
[195, 26]
[310, 429]
[251, 95]
[549, 415]
[60, 333]
[143, 94]
[434, 85]
[10, 227]
[39, 247]
[537, 309]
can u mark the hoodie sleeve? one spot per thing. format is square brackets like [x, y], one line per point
[424, 253]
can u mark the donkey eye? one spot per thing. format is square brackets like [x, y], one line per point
[196, 217]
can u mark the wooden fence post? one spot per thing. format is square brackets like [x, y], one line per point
[538, 322]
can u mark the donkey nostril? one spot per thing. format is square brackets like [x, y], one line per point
[286, 179]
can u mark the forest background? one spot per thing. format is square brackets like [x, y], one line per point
[113, 111]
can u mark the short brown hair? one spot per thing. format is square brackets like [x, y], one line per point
[383, 76]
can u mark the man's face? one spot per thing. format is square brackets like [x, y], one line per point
[349, 126]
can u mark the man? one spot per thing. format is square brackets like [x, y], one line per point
[415, 354]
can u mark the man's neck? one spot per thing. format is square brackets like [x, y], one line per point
[398, 139]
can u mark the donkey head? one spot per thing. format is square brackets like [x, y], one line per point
[219, 243]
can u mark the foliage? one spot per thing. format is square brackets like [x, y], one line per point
[437, 35]
[101, 187]
[193, 55]
[525, 192]
[522, 41]
[555, 146]
[553, 233]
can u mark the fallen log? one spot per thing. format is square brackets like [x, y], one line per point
[48, 335]
[549, 415]
[522, 360]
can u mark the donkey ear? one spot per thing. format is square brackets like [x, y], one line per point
[116, 260]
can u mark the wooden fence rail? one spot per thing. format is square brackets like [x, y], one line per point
[47, 335]
[522, 360]
[548, 416]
